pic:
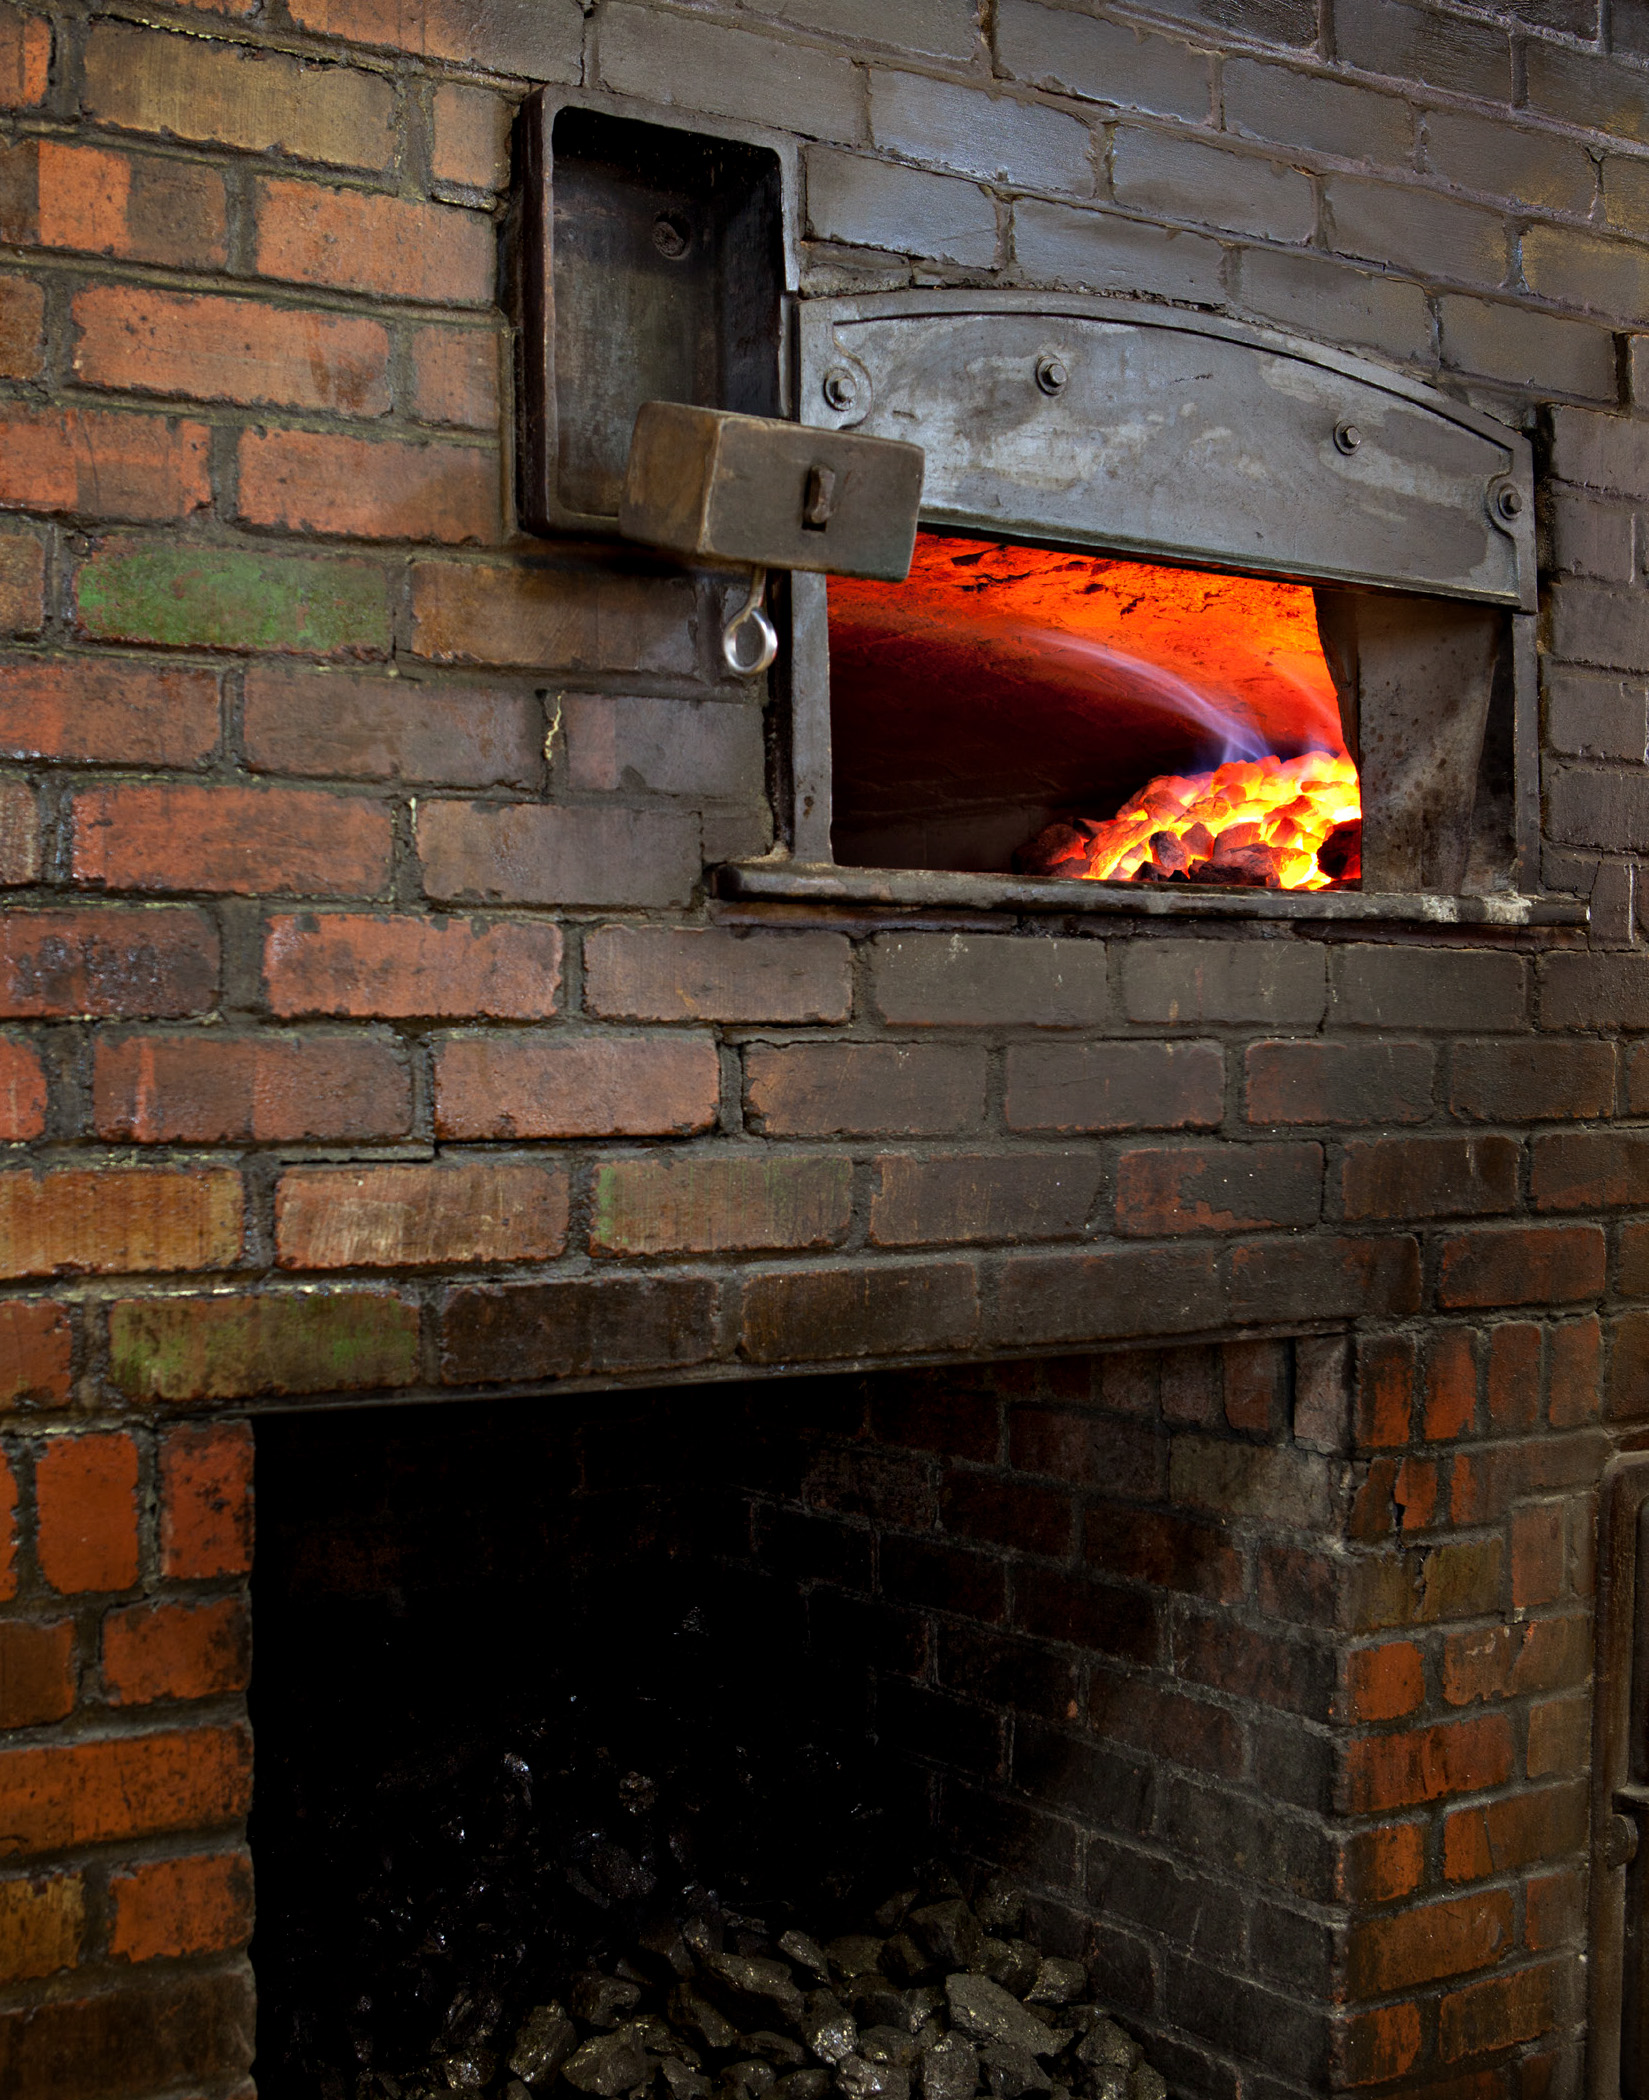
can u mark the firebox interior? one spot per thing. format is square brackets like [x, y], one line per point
[1004, 686]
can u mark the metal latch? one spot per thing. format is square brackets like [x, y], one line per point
[765, 494]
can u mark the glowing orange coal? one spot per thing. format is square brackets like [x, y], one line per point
[1259, 823]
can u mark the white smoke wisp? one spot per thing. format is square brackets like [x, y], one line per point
[1226, 723]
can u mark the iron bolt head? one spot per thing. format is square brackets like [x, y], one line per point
[1508, 500]
[1347, 437]
[841, 389]
[1051, 375]
[672, 236]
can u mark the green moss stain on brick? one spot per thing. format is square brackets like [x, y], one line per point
[716, 1204]
[230, 598]
[277, 1342]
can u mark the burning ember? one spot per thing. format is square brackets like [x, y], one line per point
[1268, 823]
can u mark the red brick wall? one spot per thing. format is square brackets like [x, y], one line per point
[364, 1027]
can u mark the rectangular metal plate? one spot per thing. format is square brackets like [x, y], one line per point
[1149, 431]
[651, 263]
[728, 488]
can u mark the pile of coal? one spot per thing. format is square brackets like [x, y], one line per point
[942, 2000]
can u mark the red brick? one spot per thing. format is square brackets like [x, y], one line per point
[820, 1315]
[1504, 1661]
[543, 45]
[1073, 1087]
[533, 853]
[22, 557]
[864, 1089]
[1424, 1177]
[359, 488]
[570, 619]
[336, 725]
[927, 1412]
[1168, 1552]
[492, 1333]
[472, 138]
[464, 1212]
[1165, 1723]
[86, 708]
[1503, 1835]
[200, 1904]
[1589, 1169]
[1450, 1384]
[1514, 1376]
[1383, 1864]
[240, 1345]
[1073, 1443]
[1310, 1081]
[1524, 1082]
[136, 207]
[1024, 1515]
[1627, 1395]
[37, 1672]
[455, 377]
[524, 1086]
[127, 1786]
[8, 1530]
[1537, 1554]
[22, 1091]
[1555, 1915]
[683, 973]
[1431, 1941]
[214, 1089]
[102, 963]
[1383, 1684]
[203, 348]
[42, 1921]
[176, 1651]
[1218, 1188]
[710, 1203]
[1373, 2047]
[1424, 1764]
[19, 834]
[25, 57]
[1523, 1265]
[85, 1493]
[1254, 1376]
[1374, 1511]
[1493, 2015]
[1385, 1391]
[237, 841]
[226, 94]
[95, 463]
[1188, 1388]
[934, 1199]
[206, 1502]
[118, 1221]
[22, 356]
[353, 240]
[35, 1342]
[362, 965]
[1057, 1604]
[1560, 1736]
[1573, 1364]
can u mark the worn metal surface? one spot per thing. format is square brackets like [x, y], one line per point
[1414, 676]
[718, 487]
[651, 264]
[1617, 2055]
[908, 887]
[1178, 435]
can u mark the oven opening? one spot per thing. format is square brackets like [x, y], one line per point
[1063, 715]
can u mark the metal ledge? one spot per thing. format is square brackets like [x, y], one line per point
[821, 883]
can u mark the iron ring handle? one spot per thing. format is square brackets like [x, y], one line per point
[750, 614]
